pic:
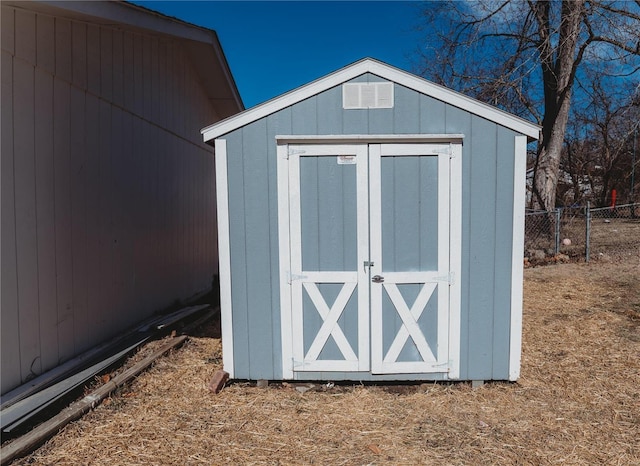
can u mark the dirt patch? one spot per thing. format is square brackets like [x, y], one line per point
[577, 401]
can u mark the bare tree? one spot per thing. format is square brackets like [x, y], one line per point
[525, 56]
[598, 153]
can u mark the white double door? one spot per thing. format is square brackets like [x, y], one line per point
[366, 258]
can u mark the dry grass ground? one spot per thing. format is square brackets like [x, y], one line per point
[577, 402]
[611, 238]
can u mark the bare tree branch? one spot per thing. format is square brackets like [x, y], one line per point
[545, 47]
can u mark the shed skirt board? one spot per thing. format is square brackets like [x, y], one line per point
[368, 262]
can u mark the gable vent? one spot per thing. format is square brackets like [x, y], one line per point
[367, 95]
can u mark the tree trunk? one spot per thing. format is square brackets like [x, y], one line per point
[558, 72]
[548, 163]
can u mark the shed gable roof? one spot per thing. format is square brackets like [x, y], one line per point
[382, 70]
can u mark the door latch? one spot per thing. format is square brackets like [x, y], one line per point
[377, 279]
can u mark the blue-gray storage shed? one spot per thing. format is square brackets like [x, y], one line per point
[371, 228]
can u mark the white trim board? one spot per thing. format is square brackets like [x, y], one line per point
[455, 259]
[293, 279]
[384, 71]
[286, 321]
[517, 263]
[224, 255]
[369, 138]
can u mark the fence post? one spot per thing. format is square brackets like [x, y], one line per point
[557, 233]
[587, 245]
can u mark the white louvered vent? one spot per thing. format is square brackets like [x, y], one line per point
[367, 95]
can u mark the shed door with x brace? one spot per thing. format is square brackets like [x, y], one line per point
[368, 258]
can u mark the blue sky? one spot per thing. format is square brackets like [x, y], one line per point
[273, 47]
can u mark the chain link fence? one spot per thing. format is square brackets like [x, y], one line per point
[576, 233]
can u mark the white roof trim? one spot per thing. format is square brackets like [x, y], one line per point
[364, 138]
[382, 70]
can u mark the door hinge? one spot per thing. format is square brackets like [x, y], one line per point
[448, 150]
[299, 365]
[294, 276]
[449, 278]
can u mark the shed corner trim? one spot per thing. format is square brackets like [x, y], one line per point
[224, 255]
[517, 264]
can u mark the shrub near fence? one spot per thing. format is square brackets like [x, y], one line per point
[577, 233]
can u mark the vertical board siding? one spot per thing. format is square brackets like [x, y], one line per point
[279, 123]
[106, 64]
[406, 117]
[457, 121]
[45, 218]
[106, 206]
[128, 180]
[45, 51]
[505, 166]
[9, 316]
[161, 115]
[63, 58]
[79, 55]
[482, 248]
[155, 96]
[137, 221]
[25, 35]
[330, 112]
[128, 70]
[138, 78]
[118, 169]
[25, 214]
[7, 33]
[79, 156]
[93, 59]
[86, 322]
[107, 189]
[239, 259]
[304, 117]
[62, 175]
[147, 78]
[432, 115]
[487, 207]
[118, 68]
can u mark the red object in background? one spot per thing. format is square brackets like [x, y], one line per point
[613, 198]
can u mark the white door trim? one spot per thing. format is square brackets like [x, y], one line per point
[440, 281]
[449, 159]
[455, 259]
[294, 280]
[286, 325]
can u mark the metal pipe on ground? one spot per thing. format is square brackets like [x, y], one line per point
[40, 434]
